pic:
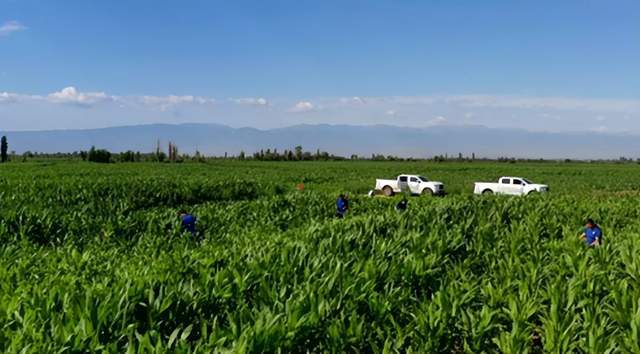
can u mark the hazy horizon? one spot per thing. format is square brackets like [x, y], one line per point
[336, 125]
[343, 140]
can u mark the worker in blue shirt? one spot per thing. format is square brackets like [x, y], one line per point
[592, 234]
[342, 205]
[188, 222]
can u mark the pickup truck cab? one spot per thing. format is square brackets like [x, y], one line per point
[510, 185]
[413, 184]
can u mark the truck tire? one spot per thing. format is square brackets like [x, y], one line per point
[388, 191]
[487, 192]
[534, 192]
[427, 192]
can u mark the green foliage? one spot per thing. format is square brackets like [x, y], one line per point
[92, 259]
[98, 155]
[130, 156]
[4, 147]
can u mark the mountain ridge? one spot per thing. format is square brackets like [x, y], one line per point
[344, 140]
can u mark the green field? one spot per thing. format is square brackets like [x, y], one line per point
[92, 259]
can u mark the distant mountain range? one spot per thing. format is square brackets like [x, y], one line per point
[342, 140]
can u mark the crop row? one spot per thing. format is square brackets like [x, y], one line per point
[94, 260]
[476, 274]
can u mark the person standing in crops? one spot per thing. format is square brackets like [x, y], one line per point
[402, 205]
[342, 205]
[592, 234]
[188, 222]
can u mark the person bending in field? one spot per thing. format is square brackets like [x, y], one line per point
[188, 222]
[342, 205]
[402, 205]
[592, 234]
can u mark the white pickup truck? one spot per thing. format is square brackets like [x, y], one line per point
[510, 185]
[413, 184]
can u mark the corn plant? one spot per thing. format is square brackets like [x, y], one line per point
[93, 259]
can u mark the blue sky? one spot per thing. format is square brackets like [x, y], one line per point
[537, 65]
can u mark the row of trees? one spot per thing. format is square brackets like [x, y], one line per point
[4, 147]
[297, 154]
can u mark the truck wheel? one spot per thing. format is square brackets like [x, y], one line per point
[387, 191]
[487, 192]
[427, 192]
[532, 192]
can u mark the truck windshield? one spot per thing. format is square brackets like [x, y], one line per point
[527, 181]
[423, 178]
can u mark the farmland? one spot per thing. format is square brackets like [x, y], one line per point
[92, 258]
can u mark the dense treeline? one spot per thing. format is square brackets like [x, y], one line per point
[297, 154]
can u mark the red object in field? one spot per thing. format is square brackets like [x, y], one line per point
[300, 186]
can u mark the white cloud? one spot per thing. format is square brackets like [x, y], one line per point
[254, 101]
[497, 101]
[10, 27]
[532, 113]
[302, 106]
[437, 121]
[73, 96]
[8, 97]
[559, 103]
[408, 100]
[353, 100]
[166, 102]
